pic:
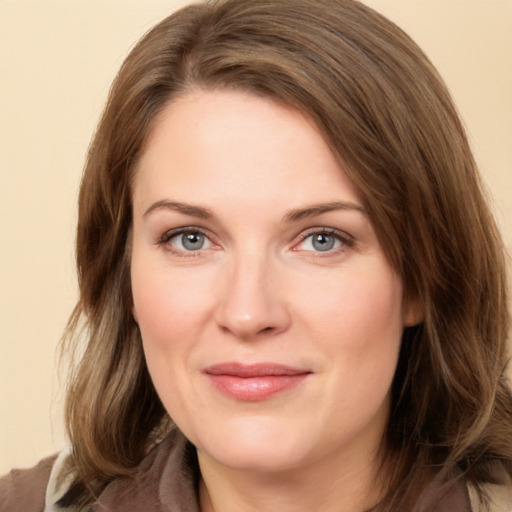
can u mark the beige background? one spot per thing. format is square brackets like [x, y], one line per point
[57, 59]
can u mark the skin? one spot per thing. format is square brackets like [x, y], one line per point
[259, 290]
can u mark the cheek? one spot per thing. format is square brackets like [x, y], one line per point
[168, 304]
[363, 305]
[376, 307]
[359, 323]
[170, 309]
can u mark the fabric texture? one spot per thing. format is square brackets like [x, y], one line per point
[24, 490]
[166, 481]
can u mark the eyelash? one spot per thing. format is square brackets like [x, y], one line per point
[345, 239]
[169, 235]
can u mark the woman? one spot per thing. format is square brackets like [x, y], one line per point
[292, 290]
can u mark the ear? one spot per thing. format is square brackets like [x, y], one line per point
[413, 312]
[134, 314]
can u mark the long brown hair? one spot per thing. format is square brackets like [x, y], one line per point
[390, 120]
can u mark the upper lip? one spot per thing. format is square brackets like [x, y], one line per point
[254, 370]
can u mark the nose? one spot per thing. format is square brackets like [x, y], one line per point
[252, 302]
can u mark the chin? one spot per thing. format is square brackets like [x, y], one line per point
[258, 445]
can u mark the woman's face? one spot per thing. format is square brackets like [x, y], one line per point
[270, 317]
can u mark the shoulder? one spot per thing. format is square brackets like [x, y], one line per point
[165, 477]
[24, 490]
[36, 489]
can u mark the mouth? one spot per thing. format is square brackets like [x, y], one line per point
[254, 382]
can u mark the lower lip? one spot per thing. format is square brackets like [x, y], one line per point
[253, 389]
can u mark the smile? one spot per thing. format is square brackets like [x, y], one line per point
[252, 383]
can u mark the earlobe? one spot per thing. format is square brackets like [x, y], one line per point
[413, 313]
[134, 314]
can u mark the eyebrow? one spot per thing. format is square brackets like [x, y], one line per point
[318, 209]
[187, 209]
[290, 216]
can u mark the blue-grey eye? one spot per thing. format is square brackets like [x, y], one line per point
[323, 242]
[320, 242]
[190, 241]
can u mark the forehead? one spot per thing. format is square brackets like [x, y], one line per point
[215, 144]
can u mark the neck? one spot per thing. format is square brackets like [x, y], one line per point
[353, 487]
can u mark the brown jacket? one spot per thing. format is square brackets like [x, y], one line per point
[163, 482]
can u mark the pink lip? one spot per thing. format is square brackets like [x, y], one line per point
[254, 382]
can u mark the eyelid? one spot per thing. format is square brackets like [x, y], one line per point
[167, 235]
[171, 233]
[345, 238]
